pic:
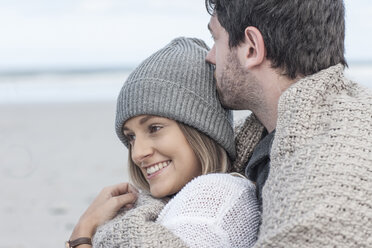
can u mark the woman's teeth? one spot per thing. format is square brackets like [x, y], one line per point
[155, 168]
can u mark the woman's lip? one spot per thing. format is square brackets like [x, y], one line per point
[147, 166]
[158, 172]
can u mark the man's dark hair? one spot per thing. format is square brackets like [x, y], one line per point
[301, 37]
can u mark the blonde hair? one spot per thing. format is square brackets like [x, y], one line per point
[212, 157]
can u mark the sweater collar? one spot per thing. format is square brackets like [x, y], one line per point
[318, 85]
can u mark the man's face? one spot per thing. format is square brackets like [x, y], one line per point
[218, 54]
[237, 88]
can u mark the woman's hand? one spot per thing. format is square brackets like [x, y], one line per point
[104, 207]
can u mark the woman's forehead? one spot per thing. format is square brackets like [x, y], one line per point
[142, 119]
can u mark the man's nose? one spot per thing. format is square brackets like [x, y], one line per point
[142, 149]
[211, 56]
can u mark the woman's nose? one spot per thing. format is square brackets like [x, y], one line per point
[142, 148]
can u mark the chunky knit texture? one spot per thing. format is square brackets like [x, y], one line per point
[137, 228]
[215, 210]
[319, 189]
[177, 83]
[248, 134]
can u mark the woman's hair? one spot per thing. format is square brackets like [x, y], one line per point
[212, 157]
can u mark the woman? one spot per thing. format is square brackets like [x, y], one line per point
[178, 136]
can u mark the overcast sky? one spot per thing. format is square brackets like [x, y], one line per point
[104, 33]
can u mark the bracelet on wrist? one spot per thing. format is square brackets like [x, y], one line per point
[79, 241]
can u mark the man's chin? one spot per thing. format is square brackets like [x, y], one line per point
[223, 100]
[231, 103]
[228, 103]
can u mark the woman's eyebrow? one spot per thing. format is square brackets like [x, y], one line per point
[145, 119]
[141, 122]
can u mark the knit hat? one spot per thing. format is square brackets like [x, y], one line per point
[177, 83]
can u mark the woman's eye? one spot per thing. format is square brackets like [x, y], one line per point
[154, 128]
[130, 137]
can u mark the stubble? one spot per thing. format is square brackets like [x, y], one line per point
[237, 88]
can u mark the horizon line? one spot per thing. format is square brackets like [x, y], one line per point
[99, 69]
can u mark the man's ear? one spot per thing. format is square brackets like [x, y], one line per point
[252, 51]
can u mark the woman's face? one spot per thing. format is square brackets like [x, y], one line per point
[162, 152]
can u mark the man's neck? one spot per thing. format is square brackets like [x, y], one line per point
[274, 86]
[268, 118]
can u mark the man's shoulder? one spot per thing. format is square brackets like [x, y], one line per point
[352, 93]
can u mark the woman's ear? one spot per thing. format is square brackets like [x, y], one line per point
[252, 51]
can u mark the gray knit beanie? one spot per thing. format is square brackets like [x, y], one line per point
[177, 83]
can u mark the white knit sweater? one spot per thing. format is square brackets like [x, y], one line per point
[214, 210]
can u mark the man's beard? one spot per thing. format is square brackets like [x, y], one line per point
[237, 88]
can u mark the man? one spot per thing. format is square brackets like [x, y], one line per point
[284, 61]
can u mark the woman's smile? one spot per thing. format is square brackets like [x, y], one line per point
[163, 154]
[156, 169]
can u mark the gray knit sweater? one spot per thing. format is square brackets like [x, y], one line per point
[137, 227]
[319, 189]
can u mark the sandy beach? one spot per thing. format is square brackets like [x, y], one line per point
[54, 159]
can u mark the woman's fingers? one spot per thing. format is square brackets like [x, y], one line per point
[129, 206]
[121, 188]
[105, 207]
[120, 195]
[122, 200]
[132, 189]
